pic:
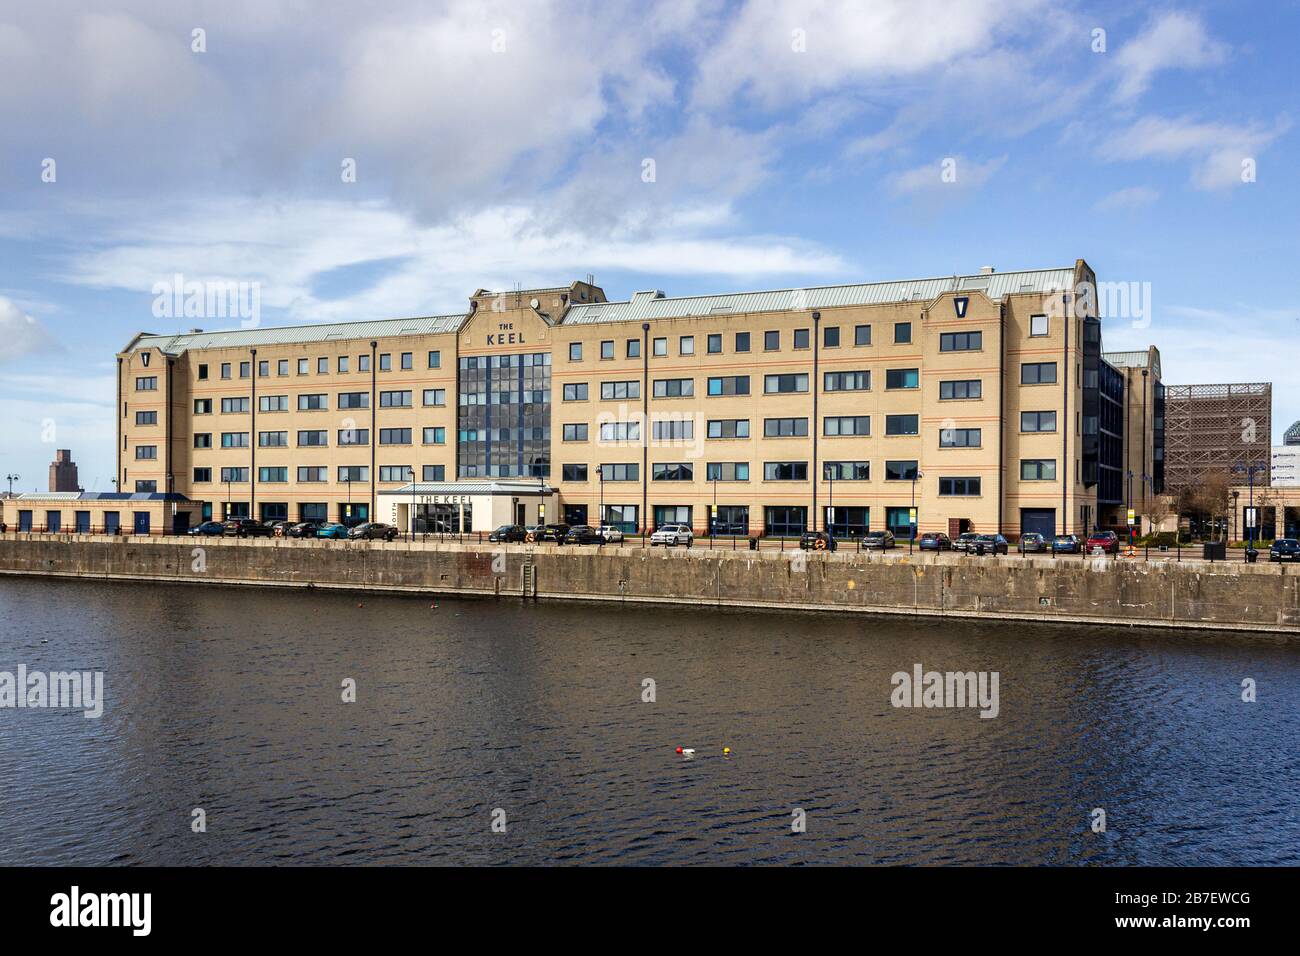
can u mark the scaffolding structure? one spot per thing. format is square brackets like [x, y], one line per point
[1211, 429]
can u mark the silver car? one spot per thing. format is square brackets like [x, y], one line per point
[611, 534]
[671, 535]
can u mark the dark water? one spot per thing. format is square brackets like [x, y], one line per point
[229, 700]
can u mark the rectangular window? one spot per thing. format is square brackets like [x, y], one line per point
[146, 452]
[245, 369]
[781, 384]
[902, 333]
[846, 471]
[620, 431]
[146, 383]
[202, 475]
[303, 366]
[202, 439]
[841, 425]
[313, 473]
[234, 475]
[960, 341]
[862, 335]
[203, 371]
[363, 363]
[435, 397]
[607, 348]
[396, 473]
[902, 378]
[263, 368]
[354, 436]
[575, 351]
[785, 471]
[225, 370]
[727, 471]
[408, 361]
[801, 338]
[902, 424]
[273, 403]
[674, 387]
[1038, 325]
[342, 364]
[785, 521]
[282, 367]
[354, 400]
[714, 343]
[686, 345]
[616, 391]
[1038, 373]
[350, 473]
[728, 428]
[1038, 421]
[729, 385]
[575, 431]
[234, 439]
[633, 348]
[435, 358]
[323, 365]
[672, 471]
[1037, 469]
[960, 389]
[400, 399]
[831, 336]
[273, 439]
[273, 474]
[146, 418]
[742, 341]
[660, 346]
[771, 341]
[673, 429]
[434, 473]
[575, 392]
[620, 471]
[959, 438]
[233, 405]
[900, 470]
[847, 381]
[785, 427]
[573, 472]
[394, 436]
[202, 406]
[435, 436]
[385, 362]
[313, 439]
[950, 487]
[314, 403]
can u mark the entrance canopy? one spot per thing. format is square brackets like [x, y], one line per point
[460, 507]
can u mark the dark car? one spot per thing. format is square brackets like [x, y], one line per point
[1284, 549]
[280, 529]
[373, 530]
[988, 544]
[209, 527]
[816, 541]
[549, 532]
[934, 541]
[878, 539]
[1108, 541]
[964, 540]
[508, 532]
[304, 529]
[1032, 541]
[247, 528]
[1066, 544]
[583, 534]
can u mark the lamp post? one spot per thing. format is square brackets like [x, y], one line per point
[1249, 472]
[600, 509]
[1129, 475]
[347, 514]
[229, 477]
[713, 515]
[11, 479]
[911, 538]
[830, 506]
[1235, 495]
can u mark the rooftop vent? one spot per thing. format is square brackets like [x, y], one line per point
[987, 270]
[195, 331]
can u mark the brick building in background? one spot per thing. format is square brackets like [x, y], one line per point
[63, 472]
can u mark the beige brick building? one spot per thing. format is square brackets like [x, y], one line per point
[969, 397]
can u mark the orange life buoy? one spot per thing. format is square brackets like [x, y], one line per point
[530, 537]
[820, 544]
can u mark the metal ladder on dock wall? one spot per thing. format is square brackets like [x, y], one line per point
[529, 577]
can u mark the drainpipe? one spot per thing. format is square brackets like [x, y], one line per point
[816, 334]
[1144, 443]
[167, 461]
[374, 423]
[1065, 415]
[1002, 411]
[252, 441]
[645, 426]
[121, 417]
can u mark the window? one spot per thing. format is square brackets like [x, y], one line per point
[313, 439]
[435, 396]
[573, 472]
[613, 391]
[714, 343]
[785, 521]
[728, 428]
[779, 384]
[841, 425]
[354, 436]
[847, 381]
[607, 349]
[742, 341]
[263, 368]
[673, 429]
[234, 439]
[960, 389]
[672, 471]
[660, 347]
[846, 471]
[146, 418]
[729, 385]
[400, 399]
[350, 473]
[674, 387]
[727, 471]
[282, 367]
[385, 362]
[273, 474]
[435, 436]
[363, 363]
[686, 345]
[785, 427]
[342, 364]
[233, 405]
[1038, 325]
[1038, 421]
[1038, 373]
[801, 338]
[396, 473]
[322, 365]
[960, 341]
[234, 474]
[245, 369]
[146, 383]
[575, 431]
[312, 473]
[959, 438]
[831, 337]
[314, 403]
[785, 471]
[862, 335]
[202, 475]
[434, 473]
[902, 333]
[273, 403]
[435, 359]
[354, 400]
[575, 351]
[575, 392]
[633, 348]
[949, 487]
[629, 471]
[202, 406]
[273, 439]
[408, 362]
[394, 436]
[225, 370]
[902, 378]
[771, 341]
[202, 439]
[303, 366]
[203, 372]
[313, 510]
[902, 424]
[620, 431]
[146, 452]
[900, 470]
[1037, 469]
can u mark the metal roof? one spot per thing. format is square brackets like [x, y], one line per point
[290, 334]
[1292, 436]
[102, 496]
[654, 305]
[486, 486]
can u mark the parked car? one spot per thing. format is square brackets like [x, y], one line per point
[247, 528]
[305, 529]
[548, 532]
[1284, 549]
[208, 527]
[280, 528]
[878, 540]
[816, 541]
[964, 540]
[988, 544]
[332, 530]
[934, 541]
[611, 534]
[1108, 541]
[508, 532]
[671, 535]
[1032, 541]
[373, 530]
[1066, 544]
[583, 534]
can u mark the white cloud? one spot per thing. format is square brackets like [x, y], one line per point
[1173, 40]
[1132, 197]
[21, 334]
[1217, 150]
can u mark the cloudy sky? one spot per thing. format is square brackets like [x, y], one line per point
[685, 145]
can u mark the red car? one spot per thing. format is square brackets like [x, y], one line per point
[1108, 541]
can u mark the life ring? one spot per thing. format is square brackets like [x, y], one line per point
[530, 537]
[1131, 552]
[820, 544]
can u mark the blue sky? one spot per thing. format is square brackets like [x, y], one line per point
[793, 143]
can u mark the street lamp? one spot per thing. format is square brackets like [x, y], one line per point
[1235, 495]
[11, 479]
[830, 507]
[347, 515]
[911, 539]
[600, 510]
[1249, 472]
[713, 515]
[1129, 474]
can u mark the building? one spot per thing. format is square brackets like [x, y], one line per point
[981, 401]
[1142, 468]
[1284, 470]
[63, 472]
[89, 512]
[1212, 429]
[1292, 436]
